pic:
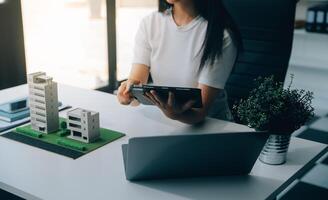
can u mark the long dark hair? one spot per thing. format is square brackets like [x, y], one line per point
[218, 20]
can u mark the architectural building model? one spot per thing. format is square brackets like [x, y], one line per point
[84, 125]
[74, 136]
[43, 102]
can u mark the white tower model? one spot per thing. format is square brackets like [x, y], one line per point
[84, 125]
[43, 102]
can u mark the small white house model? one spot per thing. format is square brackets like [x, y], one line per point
[43, 102]
[84, 125]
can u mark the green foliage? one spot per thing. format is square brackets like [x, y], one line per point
[63, 125]
[272, 108]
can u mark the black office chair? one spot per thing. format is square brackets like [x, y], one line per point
[266, 29]
[12, 56]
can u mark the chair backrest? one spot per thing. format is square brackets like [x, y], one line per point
[266, 28]
[12, 55]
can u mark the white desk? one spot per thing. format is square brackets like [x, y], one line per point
[100, 174]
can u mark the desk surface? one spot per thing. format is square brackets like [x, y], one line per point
[100, 174]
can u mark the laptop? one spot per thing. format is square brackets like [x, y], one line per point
[181, 156]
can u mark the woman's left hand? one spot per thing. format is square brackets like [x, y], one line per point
[170, 107]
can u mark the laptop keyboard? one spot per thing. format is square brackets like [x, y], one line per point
[302, 190]
[311, 182]
[317, 176]
[325, 161]
[8, 196]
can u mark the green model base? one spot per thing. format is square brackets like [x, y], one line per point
[60, 138]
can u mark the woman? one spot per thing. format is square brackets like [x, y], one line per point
[188, 43]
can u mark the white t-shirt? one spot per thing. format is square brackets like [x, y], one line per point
[172, 52]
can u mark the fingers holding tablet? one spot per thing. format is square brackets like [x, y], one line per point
[167, 96]
[124, 94]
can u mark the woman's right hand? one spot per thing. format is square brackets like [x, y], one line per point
[124, 95]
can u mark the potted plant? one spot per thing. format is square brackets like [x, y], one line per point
[276, 110]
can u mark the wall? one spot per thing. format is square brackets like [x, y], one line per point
[12, 57]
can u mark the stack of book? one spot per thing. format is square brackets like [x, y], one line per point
[14, 113]
[17, 112]
[317, 19]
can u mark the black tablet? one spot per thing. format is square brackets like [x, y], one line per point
[181, 94]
